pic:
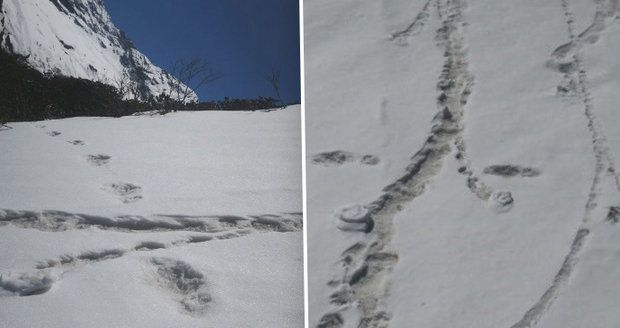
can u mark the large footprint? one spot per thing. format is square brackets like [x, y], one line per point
[127, 192]
[99, 159]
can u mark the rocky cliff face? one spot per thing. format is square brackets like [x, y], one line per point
[77, 38]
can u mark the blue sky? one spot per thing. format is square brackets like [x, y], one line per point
[242, 39]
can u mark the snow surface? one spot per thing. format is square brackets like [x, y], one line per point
[494, 199]
[77, 38]
[183, 220]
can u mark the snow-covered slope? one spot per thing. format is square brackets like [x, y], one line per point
[77, 38]
[462, 163]
[182, 220]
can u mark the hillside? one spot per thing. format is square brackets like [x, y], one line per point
[77, 38]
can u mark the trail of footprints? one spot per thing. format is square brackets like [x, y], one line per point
[365, 265]
[566, 60]
[404, 36]
[124, 191]
[186, 285]
[362, 284]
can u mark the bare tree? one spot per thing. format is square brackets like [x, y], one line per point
[273, 79]
[193, 75]
[123, 85]
[3, 123]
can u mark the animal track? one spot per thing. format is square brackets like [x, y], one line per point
[331, 320]
[473, 182]
[535, 313]
[199, 239]
[186, 284]
[365, 265]
[127, 192]
[213, 228]
[275, 223]
[502, 201]
[507, 170]
[77, 143]
[149, 246]
[61, 221]
[566, 59]
[26, 284]
[53, 133]
[99, 159]
[340, 157]
[613, 216]
[402, 37]
[89, 256]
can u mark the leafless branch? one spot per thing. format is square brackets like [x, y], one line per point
[193, 75]
[273, 79]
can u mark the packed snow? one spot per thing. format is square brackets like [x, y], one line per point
[189, 219]
[494, 198]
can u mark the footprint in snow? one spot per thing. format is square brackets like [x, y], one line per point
[127, 192]
[53, 133]
[183, 283]
[27, 284]
[76, 142]
[340, 157]
[501, 201]
[508, 171]
[99, 159]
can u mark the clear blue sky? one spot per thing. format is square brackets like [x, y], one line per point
[242, 39]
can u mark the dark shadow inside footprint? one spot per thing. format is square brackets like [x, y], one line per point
[331, 320]
[231, 219]
[370, 160]
[185, 282]
[613, 216]
[340, 157]
[199, 239]
[99, 159]
[149, 245]
[77, 142]
[26, 285]
[508, 170]
[129, 192]
[336, 157]
[53, 133]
